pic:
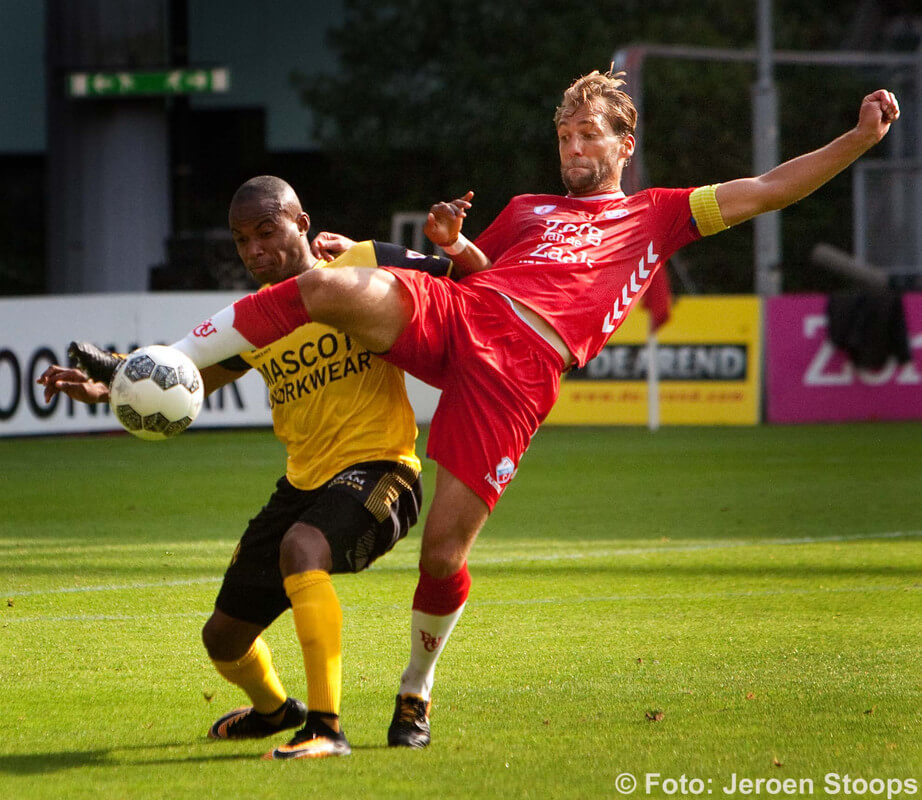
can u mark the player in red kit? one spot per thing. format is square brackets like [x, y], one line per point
[542, 290]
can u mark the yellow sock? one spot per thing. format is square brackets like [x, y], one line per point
[255, 674]
[318, 622]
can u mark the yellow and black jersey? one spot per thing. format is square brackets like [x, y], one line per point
[333, 403]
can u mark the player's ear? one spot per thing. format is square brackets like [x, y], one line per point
[628, 143]
[304, 222]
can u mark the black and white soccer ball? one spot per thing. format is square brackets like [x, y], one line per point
[156, 392]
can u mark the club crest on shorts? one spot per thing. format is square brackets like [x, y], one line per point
[505, 472]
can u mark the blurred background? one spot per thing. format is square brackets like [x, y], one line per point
[375, 108]
[127, 125]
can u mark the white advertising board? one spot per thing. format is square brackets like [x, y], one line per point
[35, 332]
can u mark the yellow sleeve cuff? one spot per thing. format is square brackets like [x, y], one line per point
[705, 211]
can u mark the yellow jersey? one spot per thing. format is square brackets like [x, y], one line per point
[333, 403]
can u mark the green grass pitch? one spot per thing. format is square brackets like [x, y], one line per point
[697, 602]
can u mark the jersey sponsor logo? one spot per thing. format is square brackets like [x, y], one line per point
[204, 329]
[430, 642]
[547, 251]
[615, 213]
[629, 290]
[307, 355]
[298, 371]
[313, 381]
[542, 210]
[576, 234]
[565, 241]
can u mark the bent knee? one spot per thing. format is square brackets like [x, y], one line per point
[331, 293]
[442, 562]
[304, 548]
[370, 305]
[212, 639]
[227, 639]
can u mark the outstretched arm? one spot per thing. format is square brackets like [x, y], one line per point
[443, 227]
[77, 385]
[793, 180]
[74, 383]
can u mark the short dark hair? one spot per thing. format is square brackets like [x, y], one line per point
[269, 186]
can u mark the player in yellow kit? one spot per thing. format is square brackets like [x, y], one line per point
[350, 492]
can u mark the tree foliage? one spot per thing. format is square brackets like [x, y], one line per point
[429, 100]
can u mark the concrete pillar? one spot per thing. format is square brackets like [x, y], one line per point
[108, 159]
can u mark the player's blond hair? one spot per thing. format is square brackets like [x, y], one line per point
[601, 92]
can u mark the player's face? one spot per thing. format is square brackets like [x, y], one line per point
[591, 154]
[271, 243]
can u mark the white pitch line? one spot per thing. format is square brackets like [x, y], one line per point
[158, 548]
[107, 617]
[220, 545]
[644, 598]
[631, 551]
[113, 588]
[520, 558]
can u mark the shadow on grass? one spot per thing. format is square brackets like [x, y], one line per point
[43, 763]
[39, 763]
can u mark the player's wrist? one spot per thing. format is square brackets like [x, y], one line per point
[863, 138]
[459, 245]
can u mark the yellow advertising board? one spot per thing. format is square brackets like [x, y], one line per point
[708, 357]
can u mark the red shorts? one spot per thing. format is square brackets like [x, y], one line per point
[499, 378]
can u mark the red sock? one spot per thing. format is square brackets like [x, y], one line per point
[441, 596]
[270, 314]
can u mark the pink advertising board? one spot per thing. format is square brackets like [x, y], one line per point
[809, 380]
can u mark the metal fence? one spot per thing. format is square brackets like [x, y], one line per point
[887, 193]
[887, 206]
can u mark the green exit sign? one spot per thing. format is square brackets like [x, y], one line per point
[148, 83]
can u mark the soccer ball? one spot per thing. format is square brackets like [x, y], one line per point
[156, 392]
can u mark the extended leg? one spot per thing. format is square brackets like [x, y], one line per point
[455, 518]
[371, 305]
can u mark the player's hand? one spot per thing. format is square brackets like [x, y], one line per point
[445, 220]
[327, 245]
[75, 383]
[878, 111]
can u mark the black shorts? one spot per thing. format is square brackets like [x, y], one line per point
[363, 512]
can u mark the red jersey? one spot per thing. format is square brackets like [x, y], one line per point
[582, 263]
